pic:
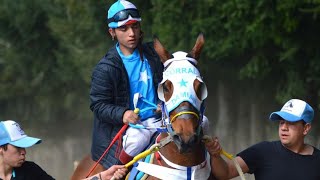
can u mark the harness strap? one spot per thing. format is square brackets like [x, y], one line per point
[190, 59]
[176, 166]
[181, 113]
[160, 171]
[201, 171]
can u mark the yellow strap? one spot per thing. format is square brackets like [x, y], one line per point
[237, 165]
[181, 113]
[144, 154]
[229, 156]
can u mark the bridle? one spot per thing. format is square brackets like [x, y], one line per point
[182, 72]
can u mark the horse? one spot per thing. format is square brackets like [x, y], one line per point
[182, 92]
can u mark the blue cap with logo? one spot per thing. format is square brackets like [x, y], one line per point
[294, 110]
[11, 133]
[121, 13]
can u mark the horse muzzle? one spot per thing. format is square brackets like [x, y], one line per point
[186, 145]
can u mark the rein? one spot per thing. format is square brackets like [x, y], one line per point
[121, 131]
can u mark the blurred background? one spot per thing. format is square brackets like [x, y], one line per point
[257, 55]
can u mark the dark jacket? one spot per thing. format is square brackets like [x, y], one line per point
[30, 171]
[109, 97]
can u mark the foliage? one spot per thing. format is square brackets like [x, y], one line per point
[48, 50]
[260, 39]
[48, 47]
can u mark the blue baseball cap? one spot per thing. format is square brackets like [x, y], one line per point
[294, 110]
[11, 133]
[124, 9]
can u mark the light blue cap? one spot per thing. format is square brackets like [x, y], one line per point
[119, 6]
[294, 110]
[11, 133]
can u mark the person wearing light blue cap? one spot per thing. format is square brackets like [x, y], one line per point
[13, 164]
[122, 13]
[128, 68]
[287, 158]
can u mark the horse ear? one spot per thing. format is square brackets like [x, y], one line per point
[162, 52]
[196, 50]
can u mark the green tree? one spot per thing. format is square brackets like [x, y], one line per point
[48, 48]
[258, 39]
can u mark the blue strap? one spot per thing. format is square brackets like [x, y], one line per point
[141, 174]
[146, 109]
[164, 115]
[137, 126]
[140, 126]
[189, 173]
[154, 106]
[134, 171]
[148, 102]
[161, 130]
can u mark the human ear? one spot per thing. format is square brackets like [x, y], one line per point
[306, 128]
[112, 33]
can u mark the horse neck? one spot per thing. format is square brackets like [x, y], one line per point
[171, 153]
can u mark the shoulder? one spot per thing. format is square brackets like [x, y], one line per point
[111, 59]
[31, 170]
[268, 146]
[258, 148]
[29, 165]
[256, 154]
[316, 151]
[265, 144]
[269, 143]
[148, 48]
[153, 58]
[111, 56]
[148, 45]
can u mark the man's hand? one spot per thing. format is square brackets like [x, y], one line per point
[115, 171]
[130, 117]
[213, 146]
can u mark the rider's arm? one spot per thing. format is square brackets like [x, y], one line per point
[107, 102]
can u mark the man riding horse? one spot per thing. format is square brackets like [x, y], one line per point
[129, 68]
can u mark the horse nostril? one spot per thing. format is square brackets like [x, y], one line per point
[185, 146]
[193, 140]
[177, 139]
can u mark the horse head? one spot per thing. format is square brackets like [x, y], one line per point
[182, 91]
